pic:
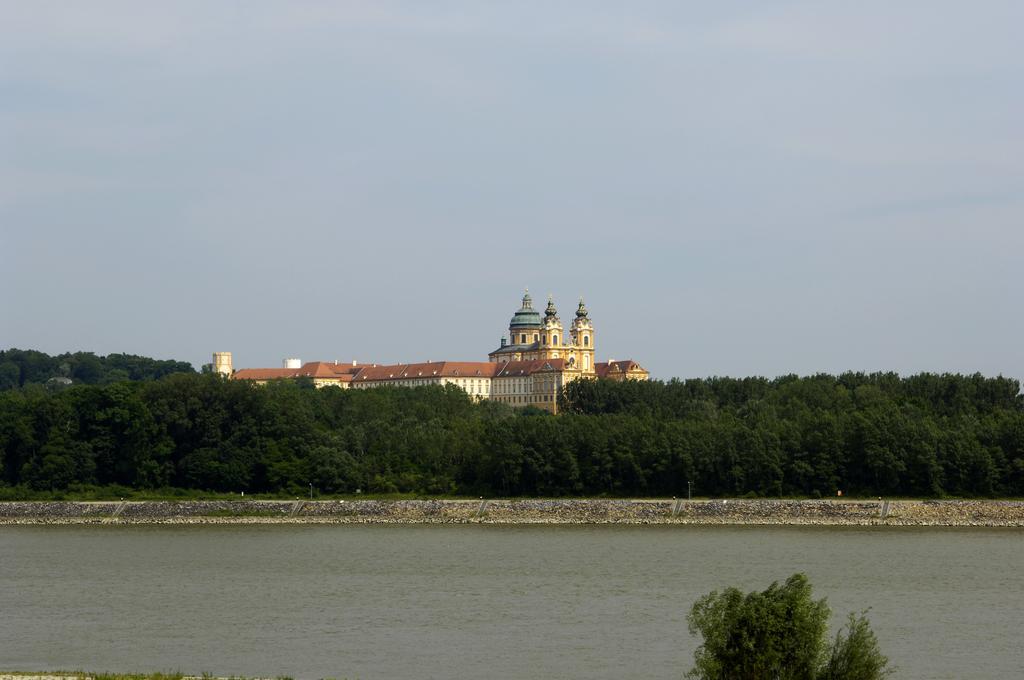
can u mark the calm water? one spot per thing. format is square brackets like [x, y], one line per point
[482, 602]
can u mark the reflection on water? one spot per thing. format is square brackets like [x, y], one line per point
[479, 601]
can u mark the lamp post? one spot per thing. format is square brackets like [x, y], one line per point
[311, 491]
[689, 490]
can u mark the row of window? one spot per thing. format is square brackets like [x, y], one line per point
[479, 387]
[526, 400]
[554, 339]
[479, 391]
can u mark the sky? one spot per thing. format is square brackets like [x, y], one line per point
[737, 188]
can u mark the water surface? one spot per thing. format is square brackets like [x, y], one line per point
[482, 601]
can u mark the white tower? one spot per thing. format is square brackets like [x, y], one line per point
[222, 363]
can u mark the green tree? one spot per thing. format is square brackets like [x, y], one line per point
[779, 634]
[332, 470]
[855, 654]
[10, 375]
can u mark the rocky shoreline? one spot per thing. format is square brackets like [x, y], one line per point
[958, 513]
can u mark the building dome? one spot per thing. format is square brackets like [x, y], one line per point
[527, 316]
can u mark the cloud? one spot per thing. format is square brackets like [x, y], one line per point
[741, 161]
[906, 37]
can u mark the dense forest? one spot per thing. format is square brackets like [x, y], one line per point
[878, 434]
[20, 367]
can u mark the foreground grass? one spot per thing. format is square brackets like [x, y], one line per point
[82, 675]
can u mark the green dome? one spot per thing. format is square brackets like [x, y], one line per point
[527, 316]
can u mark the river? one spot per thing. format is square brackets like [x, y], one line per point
[482, 601]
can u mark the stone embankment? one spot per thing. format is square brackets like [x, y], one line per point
[590, 511]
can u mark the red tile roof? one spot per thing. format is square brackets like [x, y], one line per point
[320, 370]
[510, 369]
[430, 369]
[327, 369]
[324, 370]
[603, 368]
[264, 373]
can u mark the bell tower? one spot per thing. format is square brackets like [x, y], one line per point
[582, 332]
[551, 339]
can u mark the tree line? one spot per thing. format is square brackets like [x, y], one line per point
[21, 367]
[866, 434]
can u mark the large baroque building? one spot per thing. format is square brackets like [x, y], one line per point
[529, 368]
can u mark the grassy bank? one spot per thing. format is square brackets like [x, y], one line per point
[83, 675]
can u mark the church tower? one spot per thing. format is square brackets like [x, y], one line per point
[551, 334]
[582, 332]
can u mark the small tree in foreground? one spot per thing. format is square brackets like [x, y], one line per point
[855, 655]
[780, 634]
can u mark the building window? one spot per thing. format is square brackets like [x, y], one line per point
[522, 338]
[554, 339]
[536, 337]
[586, 341]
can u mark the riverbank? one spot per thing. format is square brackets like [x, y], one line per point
[116, 676]
[584, 511]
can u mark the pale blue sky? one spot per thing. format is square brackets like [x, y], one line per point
[736, 187]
